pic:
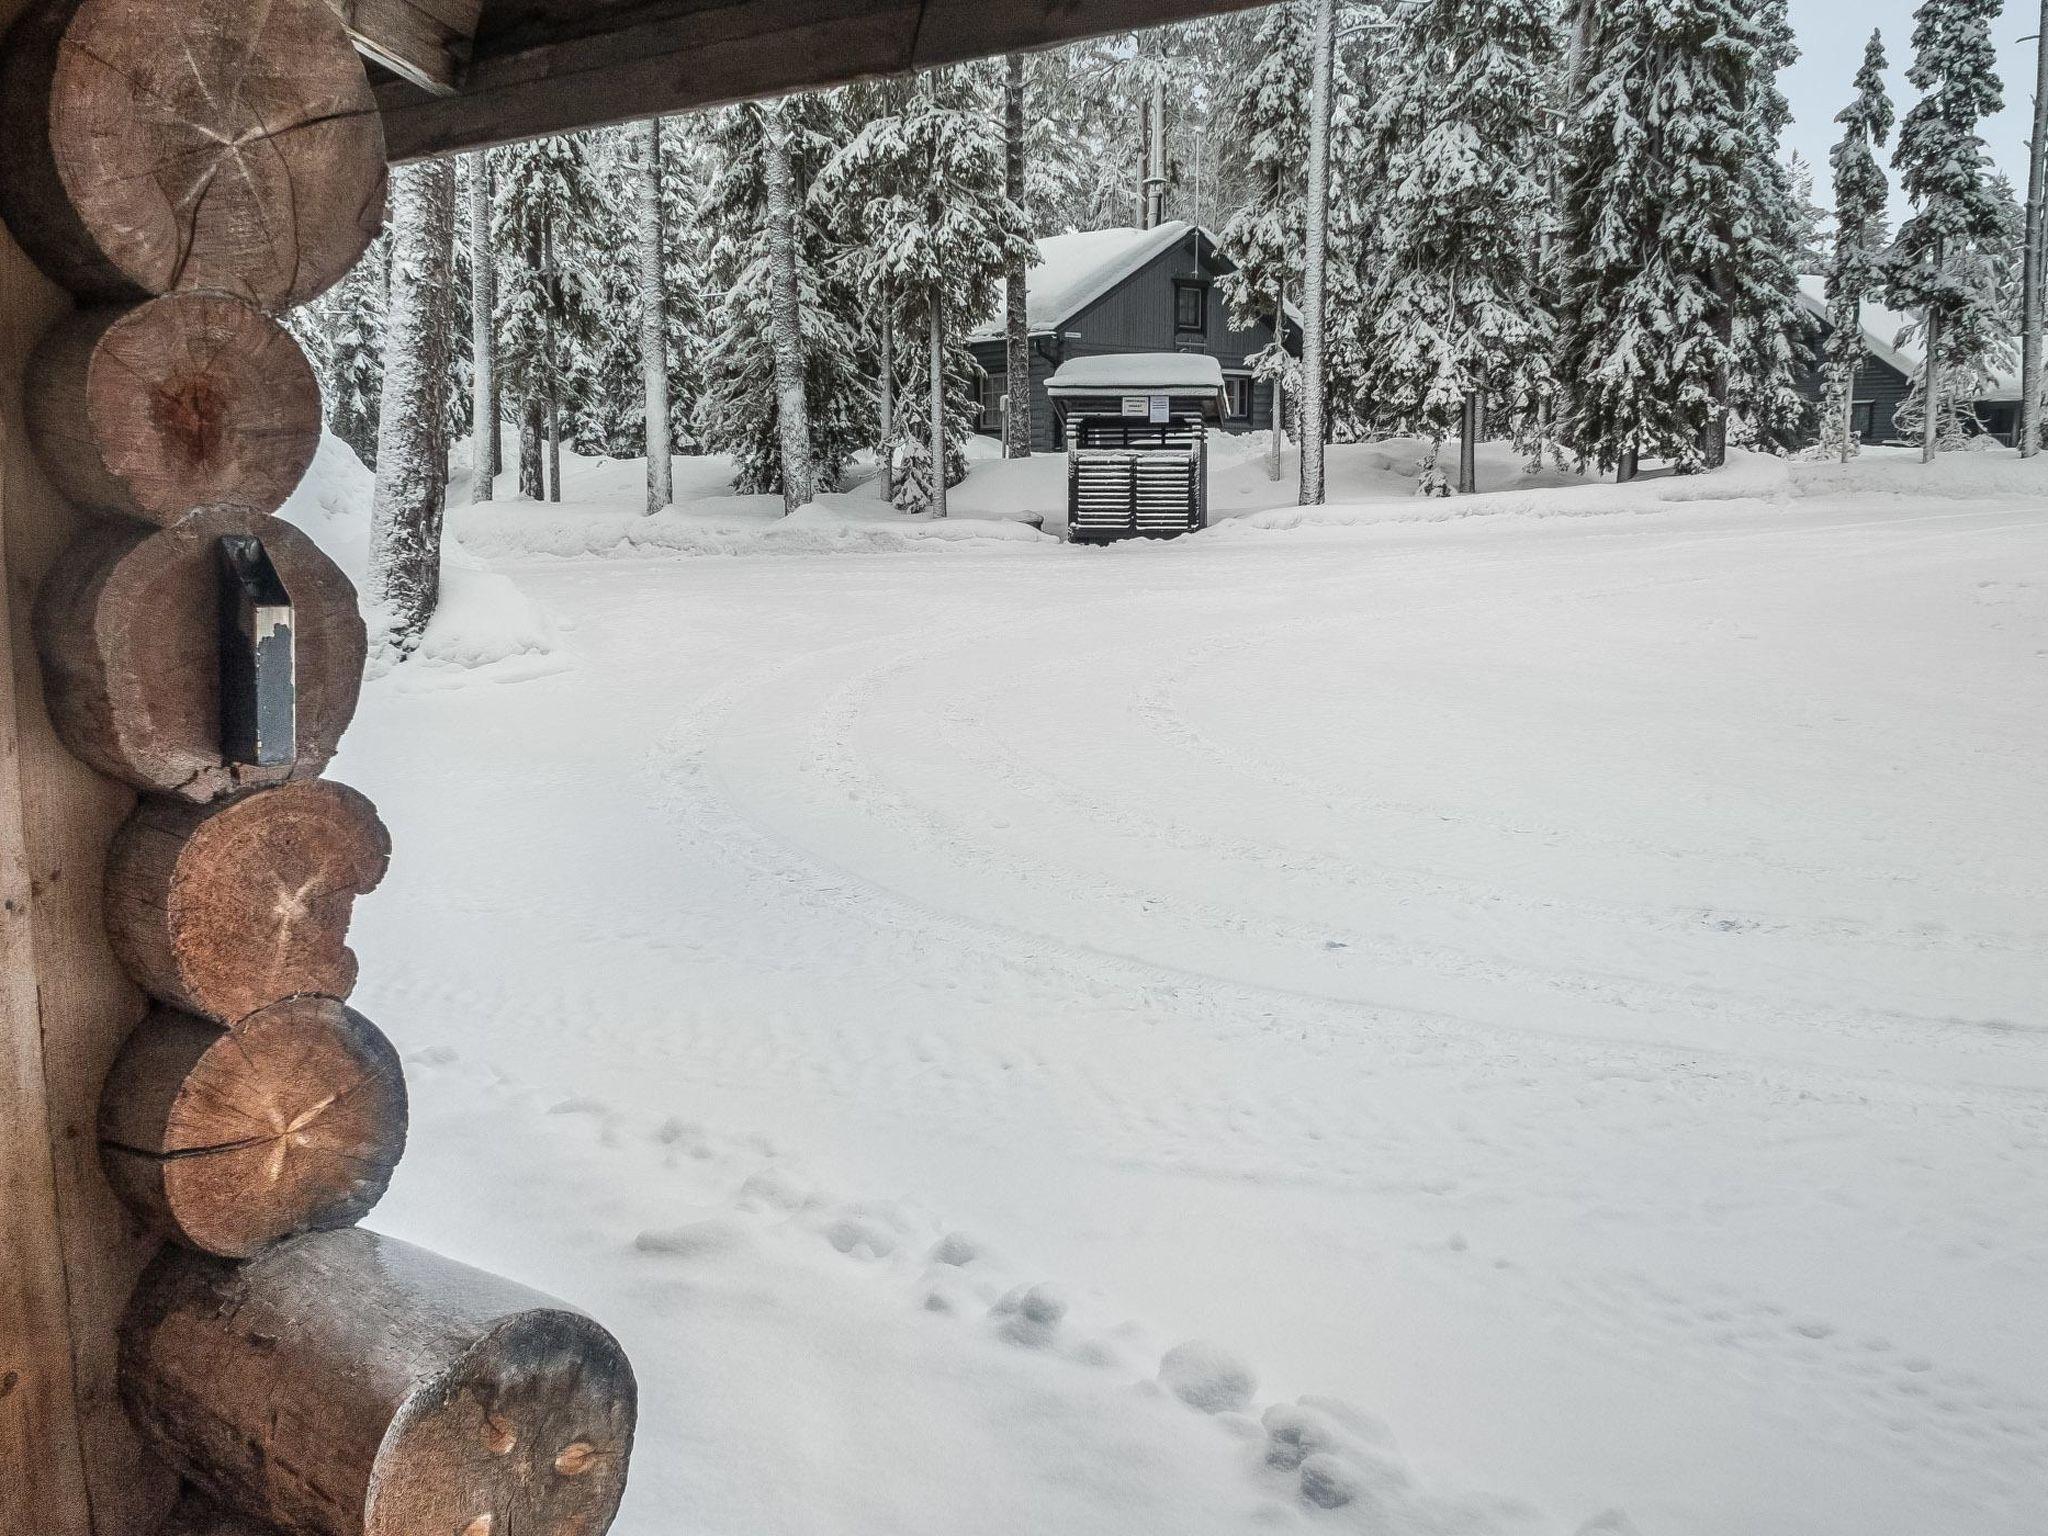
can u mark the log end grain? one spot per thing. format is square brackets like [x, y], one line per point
[225, 909]
[191, 400]
[231, 145]
[229, 1140]
[127, 625]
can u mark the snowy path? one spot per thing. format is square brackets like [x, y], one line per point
[1571, 987]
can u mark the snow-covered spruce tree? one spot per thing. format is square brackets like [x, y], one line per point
[649, 252]
[923, 191]
[687, 171]
[1016, 423]
[1660, 245]
[1861, 193]
[1944, 170]
[551, 215]
[404, 578]
[1268, 115]
[740, 411]
[343, 334]
[1454, 310]
[1772, 337]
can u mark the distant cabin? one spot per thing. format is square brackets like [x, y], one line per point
[1885, 375]
[1113, 291]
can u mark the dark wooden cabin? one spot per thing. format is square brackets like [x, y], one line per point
[1110, 292]
[1884, 377]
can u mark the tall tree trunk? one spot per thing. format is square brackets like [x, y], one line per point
[412, 445]
[1279, 386]
[2037, 251]
[1016, 296]
[1322, 40]
[483, 301]
[654, 319]
[1930, 379]
[886, 396]
[938, 329]
[1468, 445]
[1714, 437]
[554, 363]
[785, 313]
[532, 433]
[1849, 397]
[1625, 465]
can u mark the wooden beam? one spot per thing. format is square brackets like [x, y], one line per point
[554, 66]
[426, 42]
[70, 1465]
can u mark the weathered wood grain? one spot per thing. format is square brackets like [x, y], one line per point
[70, 1464]
[424, 41]
[190, 400]
[223, 909]
[346, 1384]
[229, 1139]
[230, 145]
[550, 66]
[127, 629]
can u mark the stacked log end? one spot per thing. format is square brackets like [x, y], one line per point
[228, 1139]
[127, 626]
[223, 908]
[190, 171]
[345, 1384]
[190, 400]
[232, 145]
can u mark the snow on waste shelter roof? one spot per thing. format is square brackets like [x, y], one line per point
[1171, 373]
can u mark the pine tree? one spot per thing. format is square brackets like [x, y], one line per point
[1943, 168]
[343, 334]
[1661, 250]
[923, 191]
[1454, 312]
[1772, 338]
[1264, 239]
[552, 218]
[1861, 193]
[740, 412]
[404, 578]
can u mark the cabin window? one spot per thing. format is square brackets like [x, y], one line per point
[1237, 396]
[1863, 420]
[992, 386]
[1190, 307]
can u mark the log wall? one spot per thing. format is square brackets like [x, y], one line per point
[70, 1465]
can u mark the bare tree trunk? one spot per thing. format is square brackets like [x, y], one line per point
[2037, 252]
[1468, 445]
[1625, 466]
[483, 301]
[1849, 399]
[886, 394]
[554, 393]
[792, 412]
[1279, 386]
[412, 447]
[938, 406]
[1016, 298]
[1322, 40]
[1930, 381]
[654, 319]
[532, 432]
[1714, 437]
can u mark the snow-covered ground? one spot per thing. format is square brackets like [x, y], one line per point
[1557, 992]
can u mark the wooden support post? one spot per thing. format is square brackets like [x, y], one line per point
[69, 1463]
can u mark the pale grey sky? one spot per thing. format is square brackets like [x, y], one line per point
[1831, 35]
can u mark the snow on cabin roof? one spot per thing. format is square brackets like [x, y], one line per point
[1073, 271]
[1882, 328]
[1177, 373]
